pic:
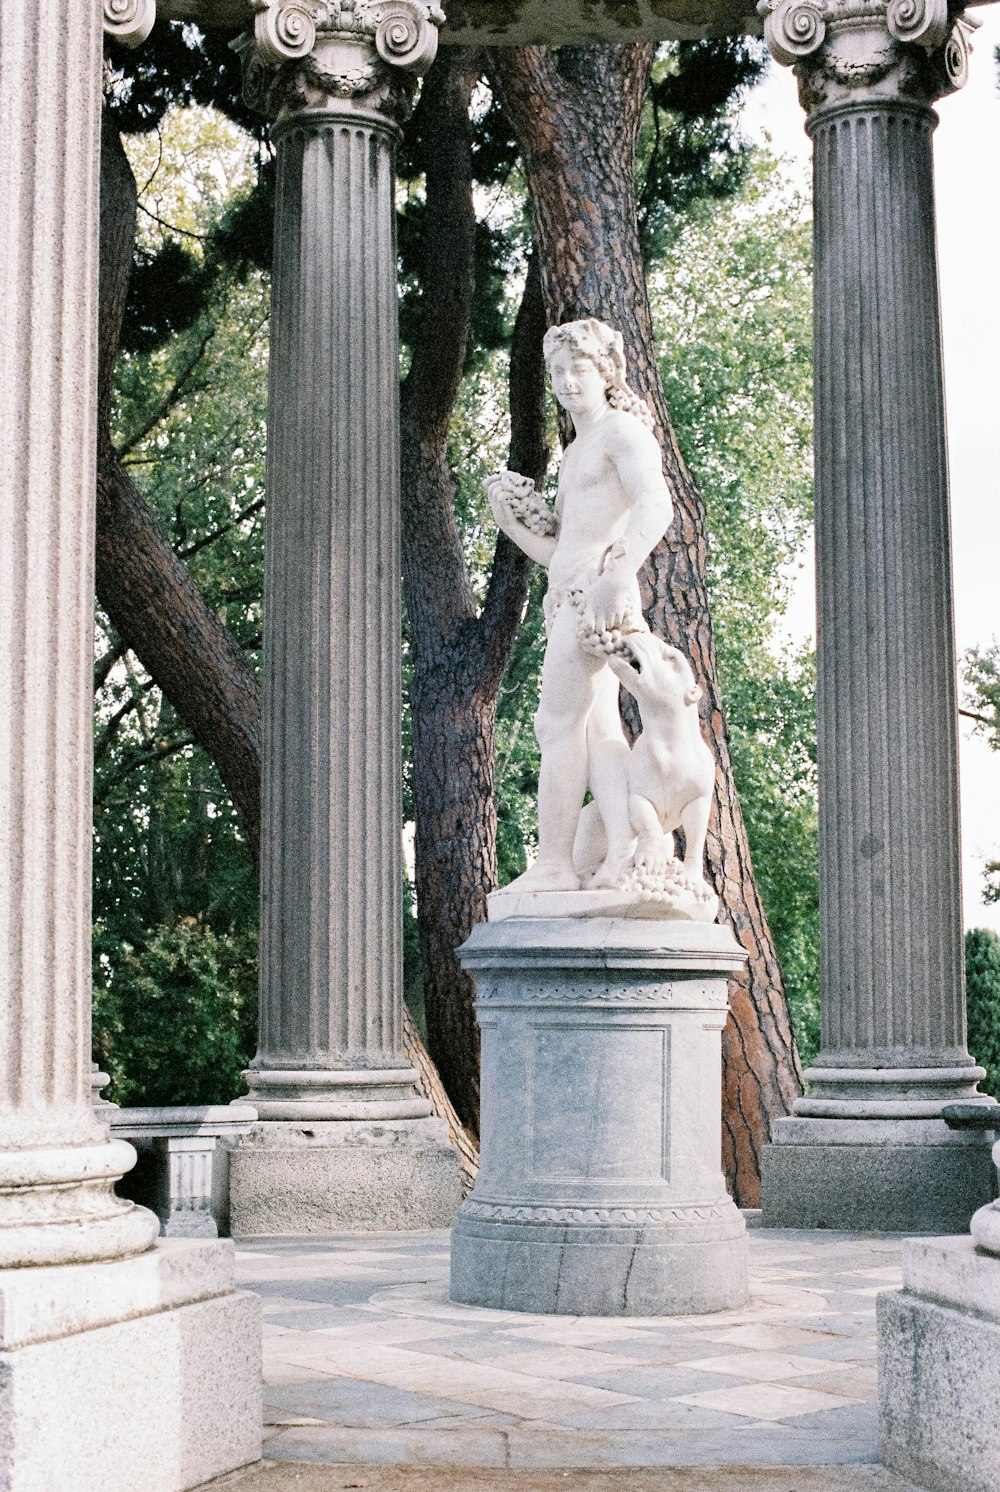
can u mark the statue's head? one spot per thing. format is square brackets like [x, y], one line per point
[605, 348]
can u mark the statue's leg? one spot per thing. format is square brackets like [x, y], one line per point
[655, 848]
[567, 695]
[591, 843]
[608, 753]
[694, 822]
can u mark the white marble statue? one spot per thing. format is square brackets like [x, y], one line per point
[612, 508]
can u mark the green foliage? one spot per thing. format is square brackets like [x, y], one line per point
[179, 65]
[689, 145]
[175, 894]
[175, 1016]
[982, 985]
[981, 674]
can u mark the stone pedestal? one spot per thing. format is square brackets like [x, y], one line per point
[140, 1373]
[330, 1082]
[600, 1190]
[892, 1175]
[389, 1176]
[867, 1144]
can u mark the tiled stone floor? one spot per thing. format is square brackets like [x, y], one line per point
[367, 1360]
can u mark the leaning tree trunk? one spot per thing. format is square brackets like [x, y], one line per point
[159, 611]
[576, 123]
[150, 596]
[459, 653]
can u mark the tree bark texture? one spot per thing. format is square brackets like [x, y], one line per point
[576, 122]
[458, 653]
[159, 611]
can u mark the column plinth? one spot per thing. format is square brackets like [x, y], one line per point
[893, 1049]
[330, 1057]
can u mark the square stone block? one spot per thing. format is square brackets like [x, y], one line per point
[939, 1377]
[906, 1176]
[343, 1177]
[129, 1386]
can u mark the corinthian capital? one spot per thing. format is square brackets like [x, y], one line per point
[129, 21]
[365, 54]
[917, 49]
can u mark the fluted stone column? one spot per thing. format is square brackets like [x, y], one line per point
[330, 1060]
[103, 1366]
[866, 1146]
[57, 1164]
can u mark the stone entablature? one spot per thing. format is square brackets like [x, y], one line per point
[513, 22]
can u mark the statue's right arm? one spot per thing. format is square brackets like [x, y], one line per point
[539, 547]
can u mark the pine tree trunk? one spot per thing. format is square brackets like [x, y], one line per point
[576, 123]
[459, 653]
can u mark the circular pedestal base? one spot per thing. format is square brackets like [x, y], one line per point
[600, 1271]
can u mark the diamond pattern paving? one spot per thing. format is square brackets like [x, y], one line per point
[366, 1359]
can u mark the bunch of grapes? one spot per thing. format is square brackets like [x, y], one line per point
[601, 644]
[667, 885]
[527, 505]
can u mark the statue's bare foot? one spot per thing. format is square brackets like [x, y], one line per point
[608, 874]
[654, 856]
[541, 877]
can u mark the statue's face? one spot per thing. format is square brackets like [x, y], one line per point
[577, 382]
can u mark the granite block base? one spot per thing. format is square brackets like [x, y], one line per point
[939, 1368]
[144, 1373]
[343, 1177]
[875, 1175]
[600, 1190]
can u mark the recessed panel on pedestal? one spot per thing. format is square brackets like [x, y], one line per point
[598, 1099]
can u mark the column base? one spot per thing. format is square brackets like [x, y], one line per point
[58, 1206]
[875, 1175]
[144, 1371]
[333, 1094]
[379, 1176]
[939, 1368]
[603, 1269]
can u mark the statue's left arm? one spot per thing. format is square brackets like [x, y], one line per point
[635, 452]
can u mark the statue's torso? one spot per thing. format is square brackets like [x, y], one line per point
[592, 508]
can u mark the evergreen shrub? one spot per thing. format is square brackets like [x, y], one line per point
[982, 982]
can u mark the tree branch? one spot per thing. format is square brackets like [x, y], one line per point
[991, 723]
[143, 759]
[149, 595]
[219, 533]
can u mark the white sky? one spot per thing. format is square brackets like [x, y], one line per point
[967, 158]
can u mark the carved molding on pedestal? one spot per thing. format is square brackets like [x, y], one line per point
[129, 21]
[364, 54]
[915, 50]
